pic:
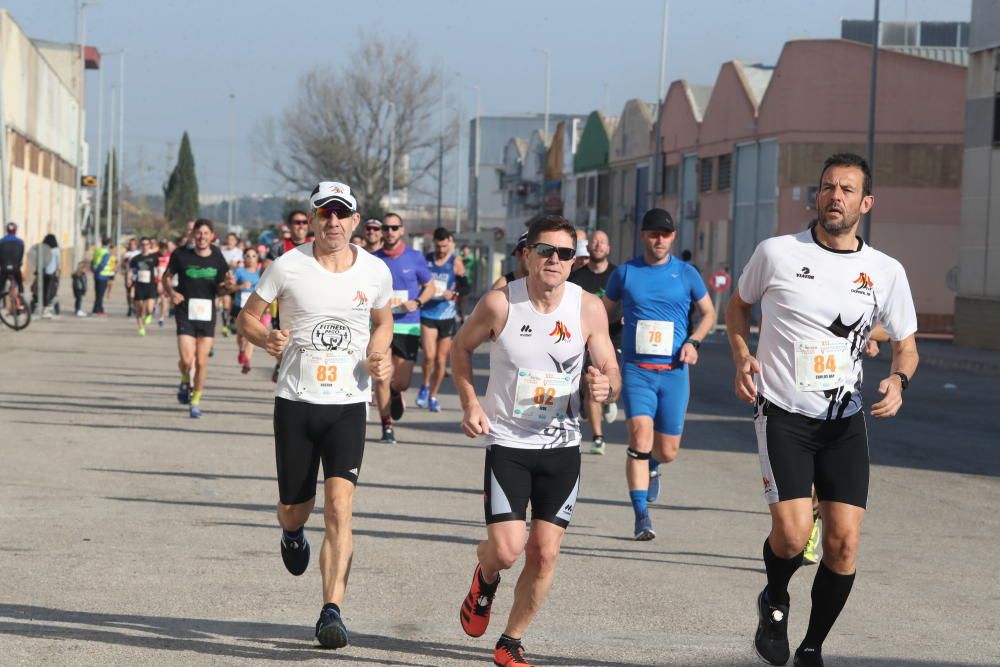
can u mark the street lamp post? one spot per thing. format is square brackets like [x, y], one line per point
[654, 173]
[866, 224]
[96, 230]
[121, 145]
[81, 24]
[232, 144]
[112, 161]
[458, 176]
[441, 159]
[548, 72]
[475, 167]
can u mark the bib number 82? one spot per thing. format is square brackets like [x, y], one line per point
[326, 373]
[544, 395]
[823, 364]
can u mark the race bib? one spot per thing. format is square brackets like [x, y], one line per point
[399, 297]
[821, 365]
[200, 310]
[325, 373]
[440, 286]
[654, 337]
[542, 396]
[145, 276]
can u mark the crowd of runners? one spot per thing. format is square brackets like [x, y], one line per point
[347, 308]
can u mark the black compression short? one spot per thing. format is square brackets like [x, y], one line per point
[144, 291]
[445, 327]
[196, 328]
[549, 478]
[304, 434]
[405, 346]
[798, 451]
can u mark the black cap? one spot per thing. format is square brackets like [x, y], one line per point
[522, 242]
[11, 227]
[657, 219]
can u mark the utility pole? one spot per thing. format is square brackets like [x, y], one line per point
[121, 146]
[112, 162]
[441, 158]
[232, 144]
[96, 231]
[654, 173]
[458, 176]
[475, 168]
[81, 34]
[548, 72]
[866, 224]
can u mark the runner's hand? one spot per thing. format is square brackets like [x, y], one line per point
[475, 423]
[892, 400]
[746, 390]
[689, 354]
[598, 385]
[410, 305]
[177, 298]
[871, 348]
[447, 295]
[276, 342]
[379, 366]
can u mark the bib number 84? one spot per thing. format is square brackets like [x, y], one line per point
[827, 364]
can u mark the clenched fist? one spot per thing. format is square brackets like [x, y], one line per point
[379, 365]
[598, 385]
[277, 341]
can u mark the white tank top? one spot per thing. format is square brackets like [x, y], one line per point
[533, 396]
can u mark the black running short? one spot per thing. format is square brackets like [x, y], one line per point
[549, 478]
[445, 327]
[304, 434]
[797, 452]
[405, 346]
[144, 291]
[196, 328]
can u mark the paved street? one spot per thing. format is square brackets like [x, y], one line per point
[131, 534]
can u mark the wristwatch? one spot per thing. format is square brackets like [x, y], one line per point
[417, 301]
[695, 343]
[904, 381]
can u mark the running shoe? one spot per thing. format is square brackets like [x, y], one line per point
[330, 629]
[211, 352]
[148, 319]
[808, 657]
[388, 435]
[422, 396]
[295, 554]
[654, 486]
[194, 411]
[610, 412]
[510, 653]
[771, 639]
[142, 331]
[433, 404]
[184, 393]
[225, 331]
[160, 322]
[80, 313]
[475, 612]
[644, 529]
[397, 406]
[246, 369]
[809, 556]
[598, 446]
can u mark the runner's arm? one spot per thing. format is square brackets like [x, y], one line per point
[426, 294]
[381, 336]
[249, 326]
[904, 360]
[488, 318]
[599, 346]
[689, 353]
[168, 287]
[738, 330]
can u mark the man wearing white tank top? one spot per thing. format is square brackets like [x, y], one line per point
[540, 326]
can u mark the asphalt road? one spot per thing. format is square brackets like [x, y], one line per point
[133, 535]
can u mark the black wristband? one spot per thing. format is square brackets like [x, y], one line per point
[904, 381]
[695, 343]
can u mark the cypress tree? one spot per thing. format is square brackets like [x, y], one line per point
[181, 193]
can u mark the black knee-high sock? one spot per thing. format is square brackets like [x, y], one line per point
[829, 595]
[779, 573]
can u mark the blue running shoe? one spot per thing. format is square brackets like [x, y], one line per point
[330, 629]
[184, 393]
[422, 396]
[195, 412]
[654, 486]
[433, 404]
[644, 529]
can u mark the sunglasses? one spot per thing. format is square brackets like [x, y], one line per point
[546, 250]
[392, 228]
[338, 211]
[373, 228]
[300, 222]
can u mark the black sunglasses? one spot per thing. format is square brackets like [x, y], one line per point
[392, 228]
[340, 212]
[373, 228]
[545, 250]
[299, 221]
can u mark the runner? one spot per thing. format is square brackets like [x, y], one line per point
[131, 250]
[412, 288]
[519, 271]
[540, 328]
[246, 278]
[821, 292]
[142, 279]
[295, 233]
[202, 274]
[163, 258]
[233, 255]
[593, 277]
[373, 235]
[437, 318]
[656, 291]
[330, 293]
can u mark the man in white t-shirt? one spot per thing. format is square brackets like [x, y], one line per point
[540, 328]
[821, 291]
[335, 336]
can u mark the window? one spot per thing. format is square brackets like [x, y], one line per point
[591, 191]
[670, 173]
[705, 174]
[725, 177]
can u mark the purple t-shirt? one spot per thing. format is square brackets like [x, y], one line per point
[409, 275]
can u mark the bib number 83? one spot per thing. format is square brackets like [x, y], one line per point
[823, 364]
[326, 373]
[544, 395]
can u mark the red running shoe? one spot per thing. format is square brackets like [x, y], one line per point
[509, 654]
[475, 611]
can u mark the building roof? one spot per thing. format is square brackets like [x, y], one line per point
[699, 95]
[948, 54]
[756, 76]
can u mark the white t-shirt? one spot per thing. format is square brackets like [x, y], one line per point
[233, 256]
[815, 300]
[325, 312]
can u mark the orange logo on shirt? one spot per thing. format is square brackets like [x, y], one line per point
[360, 300]
[864, 281]
[561, 331]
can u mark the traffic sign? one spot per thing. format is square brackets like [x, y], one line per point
[719, 281]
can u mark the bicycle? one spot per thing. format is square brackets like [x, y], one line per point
[14, 311]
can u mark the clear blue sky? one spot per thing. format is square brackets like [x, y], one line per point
[184, 57]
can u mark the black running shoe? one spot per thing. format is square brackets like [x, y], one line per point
[295, 554]
[807, 656]
[771, 640]
[388, 435]
[330, 629]
[396, 405]
[184, 393]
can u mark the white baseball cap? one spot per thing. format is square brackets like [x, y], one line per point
[581, 248]
[331, 191]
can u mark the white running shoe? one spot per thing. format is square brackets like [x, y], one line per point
[610, 413]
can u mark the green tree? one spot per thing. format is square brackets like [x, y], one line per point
[110, 170]
[181, 191]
